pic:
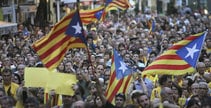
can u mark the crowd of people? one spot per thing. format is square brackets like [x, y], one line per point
[130, 35]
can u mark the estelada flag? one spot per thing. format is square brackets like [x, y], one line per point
[179, 59]
[66, 34]
[120, 77]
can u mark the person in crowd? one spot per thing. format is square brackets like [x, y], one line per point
[9, 86]
[130, 35]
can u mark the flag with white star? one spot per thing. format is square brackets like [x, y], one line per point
[75, 28]
[122, 69]
[120, 77]
[180, 59]
[66, 34]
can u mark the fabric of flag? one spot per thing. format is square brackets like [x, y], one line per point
[66, 34]
[120, 77]
[90, 16]
[179, 59]
[121, 4]
[152, 26]
[25, 32]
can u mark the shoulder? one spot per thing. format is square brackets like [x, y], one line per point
[14, 85]
[108, 105]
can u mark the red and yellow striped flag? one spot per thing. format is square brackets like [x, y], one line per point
[180, 59]
[66, 34]
[89, 16]
[121, 4]
[120, 78]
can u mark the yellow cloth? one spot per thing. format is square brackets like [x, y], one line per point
[154, 79]
[209, 84]
[182, 101]
[208, 51]
[41, 77]
[19, 105]
[180, 83]
[156, 93]
[95, 41]
[144, 59]
[13, 89]
[208, 70]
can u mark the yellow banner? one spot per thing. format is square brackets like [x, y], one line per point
[41, 77]
[35, 77]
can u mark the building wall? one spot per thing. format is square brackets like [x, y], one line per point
[209, 7]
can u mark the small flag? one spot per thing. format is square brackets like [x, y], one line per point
[120, 77]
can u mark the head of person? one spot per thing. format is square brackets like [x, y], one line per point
[78, 104]
[31, 102]
[195, 88]
[98, 102]
[2, 93]
[120, 100]
[67, 100]
[201, 67]
[122, 48]
[20, 69]
[203, 89]
[7, 102]
[177, 92]
[40, 95]
[134, 96]
[144, 101]
[208, 42]
[69, 67]
[165, 81]
[16, 78]
[167, 94]
[7, 76]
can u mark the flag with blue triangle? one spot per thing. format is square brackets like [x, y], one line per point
[120, 77]
[180, 59]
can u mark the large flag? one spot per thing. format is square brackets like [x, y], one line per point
[93, 15]
[180, 59]
[66, 34]
[121, 4]
[120, 77]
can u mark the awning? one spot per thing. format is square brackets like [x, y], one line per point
[7, 27]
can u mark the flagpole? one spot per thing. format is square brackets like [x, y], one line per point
[87, 47]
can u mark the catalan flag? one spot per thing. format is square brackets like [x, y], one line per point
[90, 16]
[66, 34]
[179, 59]
[152, 26]
[121, 4]
[120, 77]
